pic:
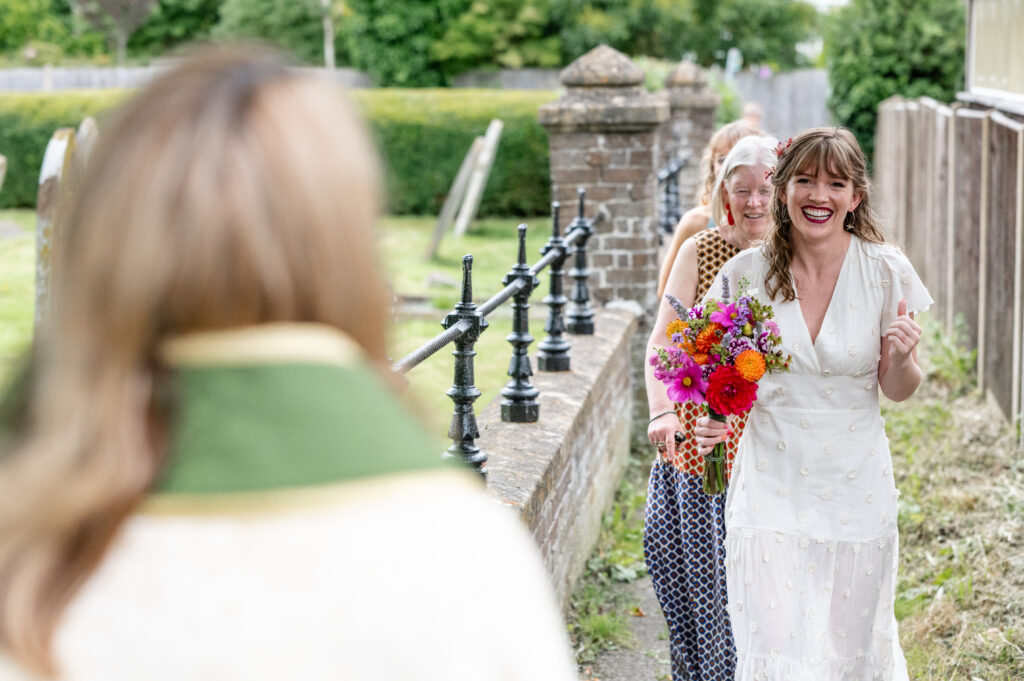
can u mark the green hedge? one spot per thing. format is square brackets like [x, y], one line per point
[27, 122]
[423, 136]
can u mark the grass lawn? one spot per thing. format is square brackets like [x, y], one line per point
[404, 241]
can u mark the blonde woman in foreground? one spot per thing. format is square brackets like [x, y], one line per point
[206, 475]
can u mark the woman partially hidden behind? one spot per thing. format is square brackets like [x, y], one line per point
[811, 543]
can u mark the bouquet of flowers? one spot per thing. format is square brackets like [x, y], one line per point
[718, 353]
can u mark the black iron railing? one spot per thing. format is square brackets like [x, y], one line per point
[669, 209]
[464, 324]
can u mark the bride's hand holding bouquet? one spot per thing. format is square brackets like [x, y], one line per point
[718, 352]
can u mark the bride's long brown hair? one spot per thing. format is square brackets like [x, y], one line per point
[817, 150]
[231, 191]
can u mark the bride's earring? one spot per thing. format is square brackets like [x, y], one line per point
[848, 222]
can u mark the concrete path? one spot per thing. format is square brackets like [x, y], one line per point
[648, 658]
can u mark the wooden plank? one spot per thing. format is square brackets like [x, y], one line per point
[951, 199]
[921, 204]
[1018, 278]
[1000, 265]
[938, 224]
[982, 249]
[966, 178]
[884, 195]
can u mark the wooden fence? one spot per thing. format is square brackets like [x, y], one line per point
[950, 186]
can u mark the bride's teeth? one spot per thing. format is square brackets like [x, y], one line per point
[819, 214]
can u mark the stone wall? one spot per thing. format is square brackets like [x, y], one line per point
[561, 473]
[691, 123]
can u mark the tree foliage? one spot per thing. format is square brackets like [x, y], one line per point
[506, 33]
[394, 40]
[25, 20]
[293, 25]
[428, 42]
[174, 22]
[878, 48]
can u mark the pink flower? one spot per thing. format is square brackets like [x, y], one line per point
[687, 384]
[725, 316]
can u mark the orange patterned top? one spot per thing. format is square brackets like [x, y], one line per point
[712, 252]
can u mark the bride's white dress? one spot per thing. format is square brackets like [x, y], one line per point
[811, 543]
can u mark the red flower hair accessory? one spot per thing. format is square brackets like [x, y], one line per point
[780, 148]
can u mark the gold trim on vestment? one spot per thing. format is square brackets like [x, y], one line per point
[299, 498]
[278, 343]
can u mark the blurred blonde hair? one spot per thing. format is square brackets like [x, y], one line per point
[725, 138]
[231, 191]
[818, 150]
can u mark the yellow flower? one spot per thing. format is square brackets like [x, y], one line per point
[750, 365]
[675, 326]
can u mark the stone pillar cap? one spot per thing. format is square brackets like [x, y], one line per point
[686, 74]
[603, 66]
[604, 93]
[688, 88]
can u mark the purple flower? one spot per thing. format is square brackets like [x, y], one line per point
[743, 314]
[677, 305]
[738, 345]
[678, 338]
[772, 327]
[726, 315]
[696, 312]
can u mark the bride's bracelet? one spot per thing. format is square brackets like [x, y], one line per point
[664, 413]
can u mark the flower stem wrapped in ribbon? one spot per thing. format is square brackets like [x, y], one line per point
[717, 353]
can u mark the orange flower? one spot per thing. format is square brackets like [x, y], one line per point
[750, 365]
[675, 326]
[701, 358]
[708, 337]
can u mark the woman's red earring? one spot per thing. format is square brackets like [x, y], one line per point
[728, 215]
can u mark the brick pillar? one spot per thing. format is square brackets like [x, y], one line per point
[692, 107]
[603, 134]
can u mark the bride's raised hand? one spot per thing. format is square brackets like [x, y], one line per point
[904, 334]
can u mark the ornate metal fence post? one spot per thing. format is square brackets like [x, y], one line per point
[553, 351]
[520, 403]
[463, 430]
[581, 317]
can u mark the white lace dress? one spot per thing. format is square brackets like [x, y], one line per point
[811, 544]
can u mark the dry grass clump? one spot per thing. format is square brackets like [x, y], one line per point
[960, 595]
